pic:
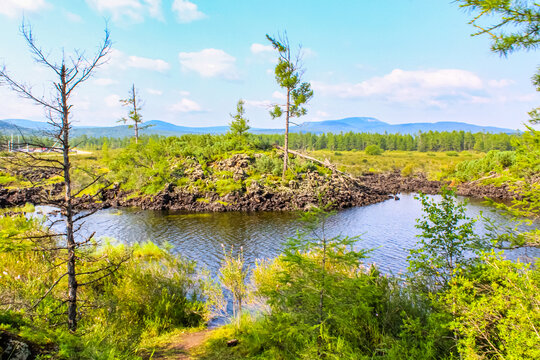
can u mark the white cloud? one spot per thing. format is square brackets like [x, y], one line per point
[279, 95]
[74, 18]
[15, 107]
[186, 106]
[112, 100]
[210, 63]
[531, 97]
[134, 10]
[148, 64]
[119, 60]
[184, 93]
[154, 92]
[427, 87]
[187, 11]
[14, 8]
[261, 104]
[261, 49]
[500, 83]
[105, 81]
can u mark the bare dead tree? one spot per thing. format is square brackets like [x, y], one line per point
[70, 72]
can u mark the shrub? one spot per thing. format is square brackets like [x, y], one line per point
[497, 310]
[407, 170]
[269, 165]
[373, 150]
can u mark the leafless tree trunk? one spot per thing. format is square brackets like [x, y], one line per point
[57, 108]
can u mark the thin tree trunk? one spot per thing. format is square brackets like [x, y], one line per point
[72, 278]
[286, 144]
[135, 115]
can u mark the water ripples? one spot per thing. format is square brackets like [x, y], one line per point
[388, 228]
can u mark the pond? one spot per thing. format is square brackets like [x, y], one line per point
[388, 228]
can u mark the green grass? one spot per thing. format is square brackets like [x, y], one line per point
[434, 165]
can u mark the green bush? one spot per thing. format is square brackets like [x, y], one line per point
[269, 165]
[494, 161]
[373, 150]
[408, 170]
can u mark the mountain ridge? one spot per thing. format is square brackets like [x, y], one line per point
[354, 124]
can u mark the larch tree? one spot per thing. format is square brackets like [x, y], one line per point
[133, 102]
[239, 125]
[289, 72]
[69, 72]
[515, 26]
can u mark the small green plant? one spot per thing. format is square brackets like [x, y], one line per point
[408, 170]
[233, 276]
[447, 241]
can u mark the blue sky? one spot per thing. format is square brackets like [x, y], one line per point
[397, 60]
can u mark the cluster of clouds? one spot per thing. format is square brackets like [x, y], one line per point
[431, 88]
[435, 88]
[185, 11]
[14, 8]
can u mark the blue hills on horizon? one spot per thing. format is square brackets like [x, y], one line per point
[351, 124]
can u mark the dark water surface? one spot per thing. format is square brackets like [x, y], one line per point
[388, 228]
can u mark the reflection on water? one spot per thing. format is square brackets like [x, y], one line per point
[388, 228]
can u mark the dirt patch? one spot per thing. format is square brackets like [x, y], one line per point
[181, 346]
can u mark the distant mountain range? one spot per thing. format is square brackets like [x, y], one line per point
[354, 124]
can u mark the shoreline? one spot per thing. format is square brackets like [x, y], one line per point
[342, 192]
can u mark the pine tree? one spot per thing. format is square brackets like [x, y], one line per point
[288, 74]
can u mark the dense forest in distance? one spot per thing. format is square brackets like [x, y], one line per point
[428, 141]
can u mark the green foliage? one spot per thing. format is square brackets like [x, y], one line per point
[233, 277]
[519, 170]
[151, 292]
[265, 164]
[426, 141]
[521, 18]
[105, 152]
[239, 125]
[373, 150]
[227, 186]
[6, 179]
[408, 170]
[447, 241]
[288, 75]
[134, 114]
[494, 161]
[497, 308]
